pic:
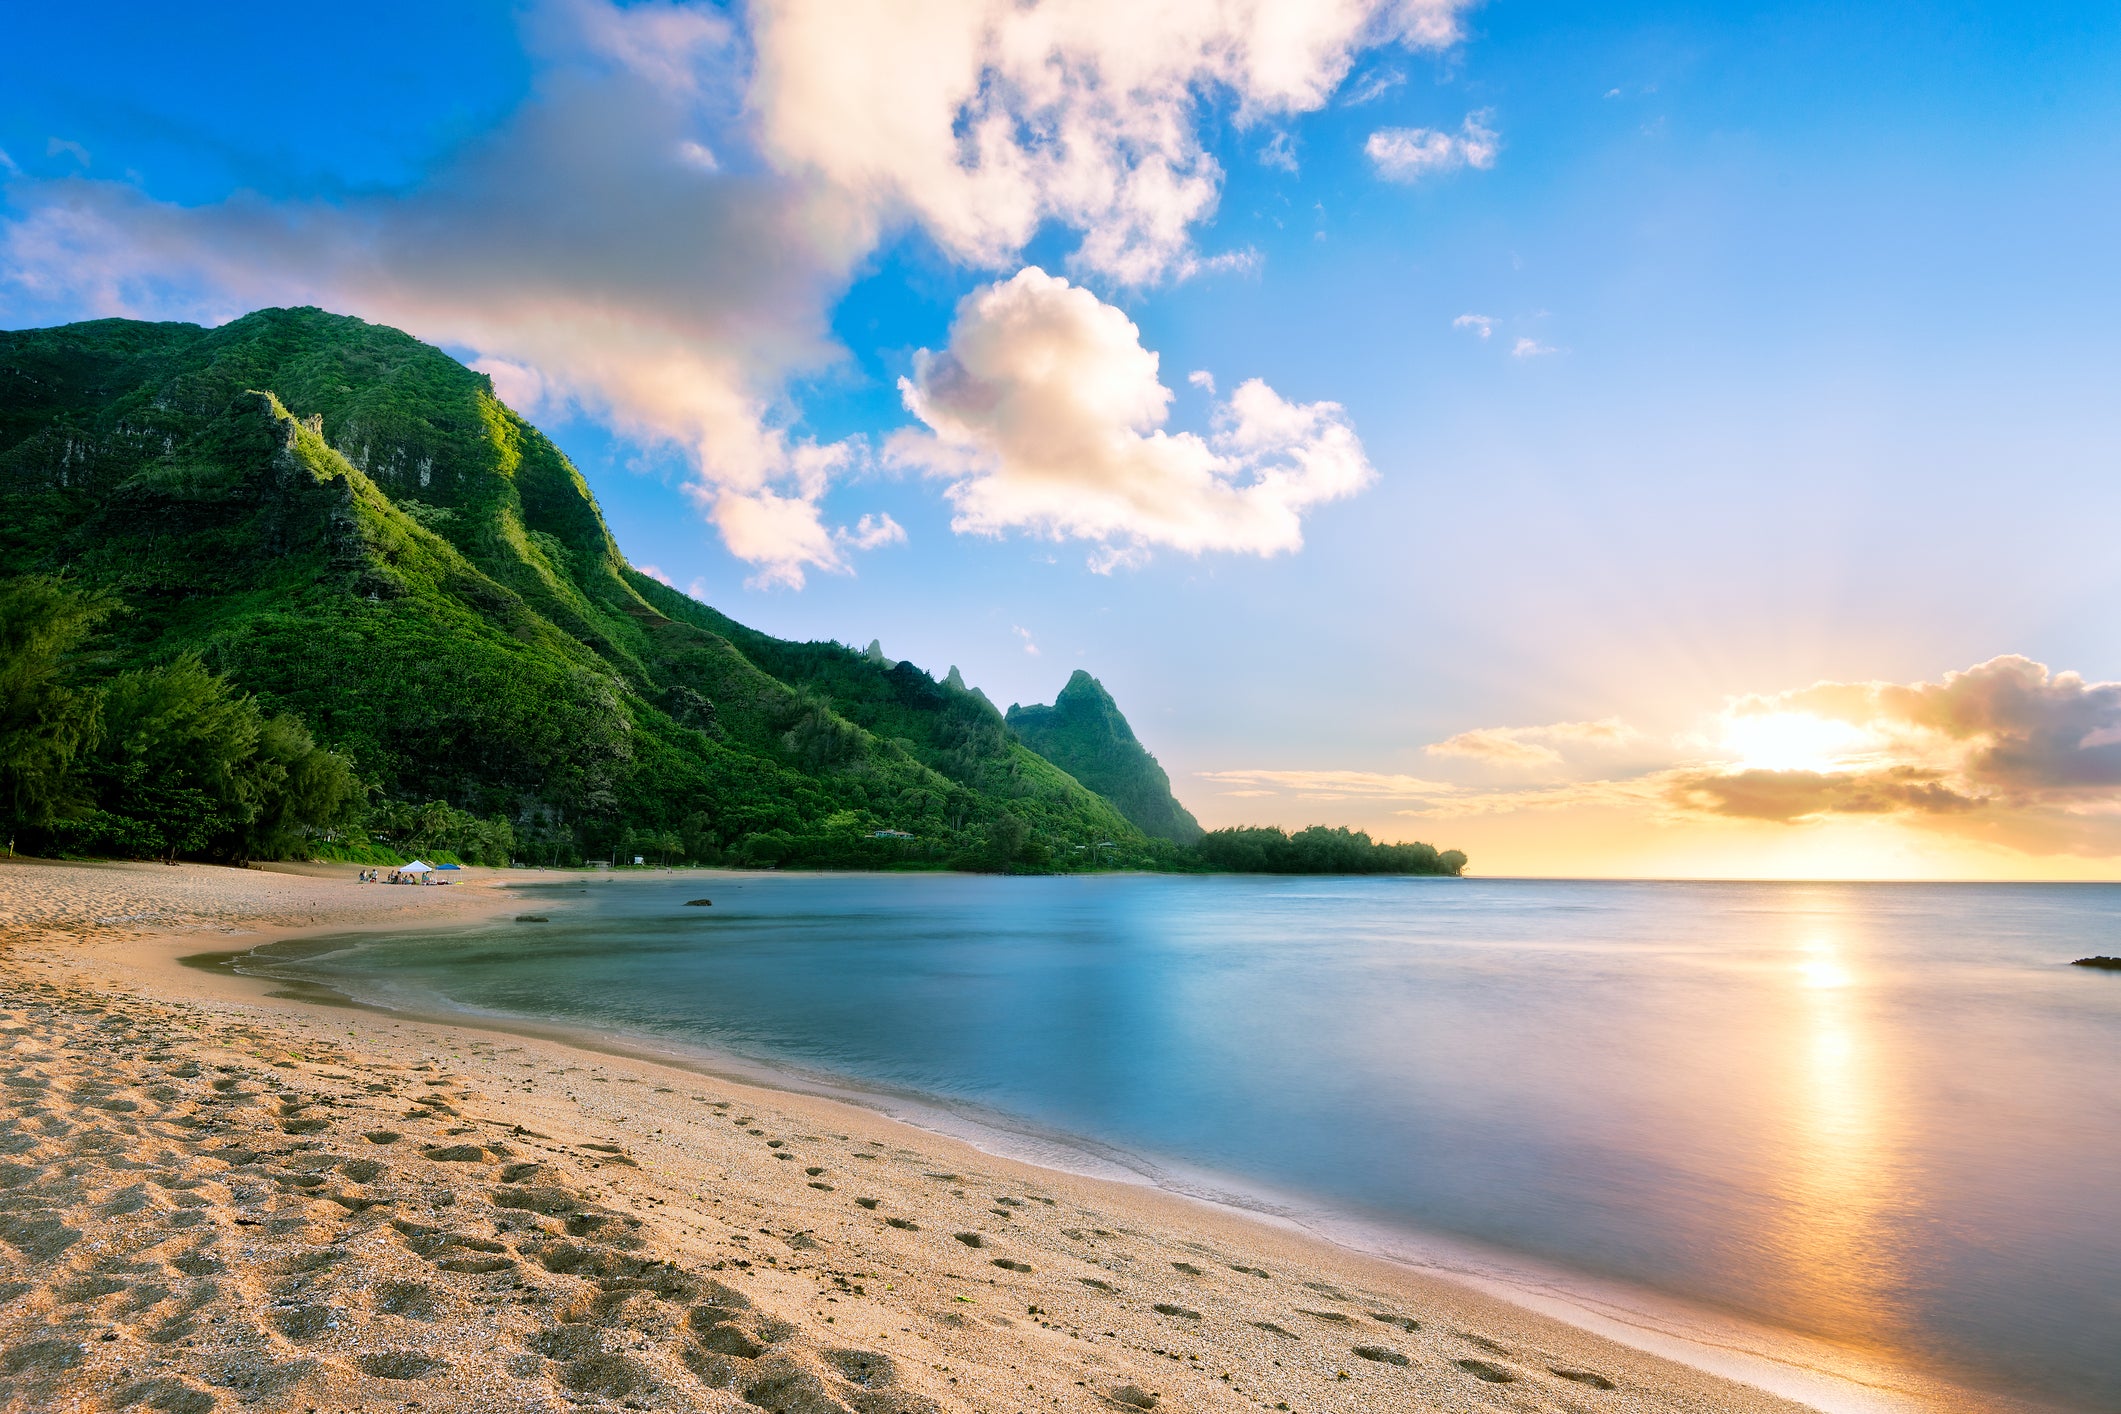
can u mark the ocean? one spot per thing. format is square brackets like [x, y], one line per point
[1869, 1129]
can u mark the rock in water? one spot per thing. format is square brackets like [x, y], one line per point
[699, 903]
[2104, 964]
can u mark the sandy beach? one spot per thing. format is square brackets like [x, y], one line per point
[216, 1198]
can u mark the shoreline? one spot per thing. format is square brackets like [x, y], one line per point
[1785, 1364]
[1477, 1341]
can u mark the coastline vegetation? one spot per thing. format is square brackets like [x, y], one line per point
[302, 586]
[1321, 849]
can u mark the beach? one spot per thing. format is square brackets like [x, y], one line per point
[215, 1197]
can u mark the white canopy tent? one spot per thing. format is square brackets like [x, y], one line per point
[416, 867]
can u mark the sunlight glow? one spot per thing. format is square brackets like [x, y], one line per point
[1844, 1177]
[1793, 741]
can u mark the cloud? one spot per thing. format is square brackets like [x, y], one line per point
[1531, 746]
[1529, 348]
[1409, 154]
[656, 574]
[1280, 152]
[519, 385]
[874, 531]
[657, 237]
[1202, 379]
[1376, 86]
[982, 119]
[1787, 796]
[1030, 644]
[63, 146]
[1498, 746]
[2009, 729]
[1480, 324]
[572, 250]
[1046, 413]
[1332, 785]
[2008, 752]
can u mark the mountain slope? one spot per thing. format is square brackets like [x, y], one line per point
[349, 524]
[1085, 734]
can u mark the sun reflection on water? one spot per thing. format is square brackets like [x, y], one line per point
[1840, 1183]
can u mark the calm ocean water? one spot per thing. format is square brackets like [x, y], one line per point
[1886, 1116]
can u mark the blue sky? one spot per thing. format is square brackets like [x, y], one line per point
[1794, 362]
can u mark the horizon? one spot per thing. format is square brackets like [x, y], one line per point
[1646, 445]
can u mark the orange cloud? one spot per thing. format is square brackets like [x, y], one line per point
[1529, 746]
[2007, 753]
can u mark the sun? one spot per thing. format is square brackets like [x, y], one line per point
[1793, 741]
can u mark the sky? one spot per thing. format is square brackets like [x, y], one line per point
[1621, 439]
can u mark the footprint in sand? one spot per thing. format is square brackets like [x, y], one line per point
[1588, 1378]
[400, 1364]
[307, 1322]
[416, 1301]
[1488, 1370]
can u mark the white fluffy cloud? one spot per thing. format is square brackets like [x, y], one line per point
[1409, 154]
[1046, 413]
[659, 234]
[983, 118]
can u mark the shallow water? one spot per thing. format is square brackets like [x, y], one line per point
[1885, 1115]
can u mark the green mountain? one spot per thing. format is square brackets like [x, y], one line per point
[1085, 734]
[348, 528]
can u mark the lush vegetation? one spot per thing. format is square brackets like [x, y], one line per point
[155, 762]
[1321, 849]
[1085, 734]
[303, 584]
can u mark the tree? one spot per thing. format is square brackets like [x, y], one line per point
[46, 721]
[188, 765]
[300, 788]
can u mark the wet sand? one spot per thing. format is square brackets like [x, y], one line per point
[213, 1197]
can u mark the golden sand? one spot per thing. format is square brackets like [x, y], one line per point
[215, 1198]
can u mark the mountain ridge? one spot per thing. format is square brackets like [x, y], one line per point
[1085, 734]
[402, 604]
[349, 524]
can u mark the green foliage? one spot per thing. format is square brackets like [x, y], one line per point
[47, 720]
[1084, 734]
[1320, 849]
[187, 765]
[348, 532]
[440, 833]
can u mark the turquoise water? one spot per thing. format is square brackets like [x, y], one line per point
[1884, 1115]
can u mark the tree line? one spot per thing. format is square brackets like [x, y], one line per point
[1321, 849]
[174, 761]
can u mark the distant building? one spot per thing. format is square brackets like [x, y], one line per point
[889, 835]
